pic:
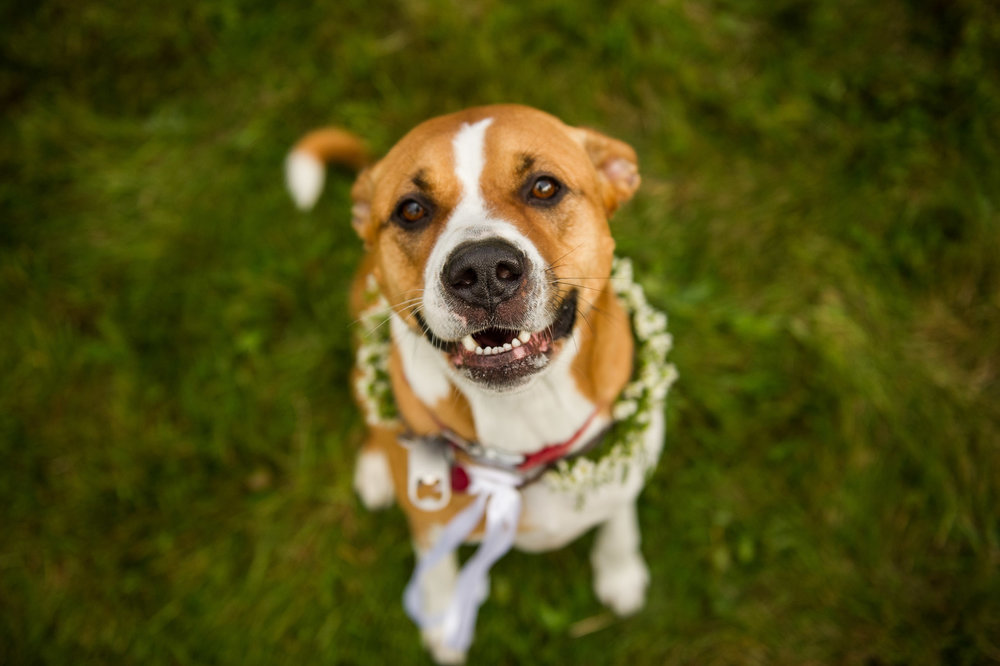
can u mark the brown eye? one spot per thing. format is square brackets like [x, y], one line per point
[411, 213]
[544, 188]
[543, 191]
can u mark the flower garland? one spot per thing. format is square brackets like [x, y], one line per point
[372, 383]
[632, 412]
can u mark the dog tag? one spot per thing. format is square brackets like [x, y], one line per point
[428, 473]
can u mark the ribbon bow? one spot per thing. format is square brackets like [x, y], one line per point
[496, 495]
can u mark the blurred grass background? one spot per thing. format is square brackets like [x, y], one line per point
[819, 216]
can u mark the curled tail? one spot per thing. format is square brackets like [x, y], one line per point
[305, 166]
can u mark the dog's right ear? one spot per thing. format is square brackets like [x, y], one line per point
[361, 205]
[616, 163]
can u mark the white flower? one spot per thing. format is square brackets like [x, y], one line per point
[650, 323]
[624, 409]
[622, 269]
[661, 343]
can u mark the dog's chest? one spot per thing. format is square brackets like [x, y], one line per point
[550, 411]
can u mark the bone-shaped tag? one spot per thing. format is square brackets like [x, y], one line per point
[428, 473]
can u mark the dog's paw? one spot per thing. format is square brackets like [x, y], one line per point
[373, 480]
[441, 653]
[622, 586]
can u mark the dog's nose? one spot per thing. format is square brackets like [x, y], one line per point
[485, 273]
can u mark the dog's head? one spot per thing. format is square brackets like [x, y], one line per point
[489, 231]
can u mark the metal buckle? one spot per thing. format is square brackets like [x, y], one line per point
[427, 467]
[486, 456]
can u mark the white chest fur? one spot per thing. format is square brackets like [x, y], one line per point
[548, 411]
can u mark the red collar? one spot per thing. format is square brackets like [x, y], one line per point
[554, 452]
[530, 465]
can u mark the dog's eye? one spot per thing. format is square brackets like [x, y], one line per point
[544, 188]
[545, 191]
[410, 213]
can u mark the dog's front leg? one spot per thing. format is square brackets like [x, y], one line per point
[620, 573]
[436, 591]
[372, 475]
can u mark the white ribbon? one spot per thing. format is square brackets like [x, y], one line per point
[496, 495]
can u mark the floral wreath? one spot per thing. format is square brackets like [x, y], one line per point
[632, 413]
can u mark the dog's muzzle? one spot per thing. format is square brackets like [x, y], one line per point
[510, 323]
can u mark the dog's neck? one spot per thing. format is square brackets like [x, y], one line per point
[547, 412]
[585, 377]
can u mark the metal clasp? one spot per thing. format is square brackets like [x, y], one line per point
[428, 472]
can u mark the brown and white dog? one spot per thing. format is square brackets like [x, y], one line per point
[487, 233]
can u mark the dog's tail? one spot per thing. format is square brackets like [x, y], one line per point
[305, 166]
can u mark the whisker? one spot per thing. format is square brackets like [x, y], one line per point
[609, 277]
[578, 286]
[566, 254]
[586, 320]
[405, 312]
[382, 323]
[409, 301]
[408, 308]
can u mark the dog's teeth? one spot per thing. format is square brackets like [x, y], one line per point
[470, 344]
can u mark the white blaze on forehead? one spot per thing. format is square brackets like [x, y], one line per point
[470, 157]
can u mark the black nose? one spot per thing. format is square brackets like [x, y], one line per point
[485, 273]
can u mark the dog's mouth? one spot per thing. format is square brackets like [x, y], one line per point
[504, 357]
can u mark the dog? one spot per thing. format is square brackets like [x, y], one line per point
[498, 357]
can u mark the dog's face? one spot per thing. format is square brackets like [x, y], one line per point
[489, 230]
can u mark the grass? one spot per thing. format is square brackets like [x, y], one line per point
[819, 216]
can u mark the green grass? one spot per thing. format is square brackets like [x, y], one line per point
[819, 216]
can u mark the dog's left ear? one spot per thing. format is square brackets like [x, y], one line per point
[616, 163]
[361, 205]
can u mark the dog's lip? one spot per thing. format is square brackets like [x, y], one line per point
[496, 345]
